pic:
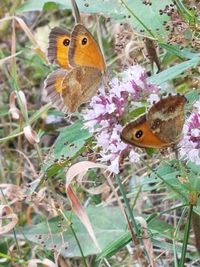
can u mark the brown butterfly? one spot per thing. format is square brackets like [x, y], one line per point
[160, 127]
[82, 66]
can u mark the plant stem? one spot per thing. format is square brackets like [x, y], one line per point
[130, 212]
[156, 214]
[34, 117]
[75, 236]
[186, 236]
[175, 235]
[196, 227]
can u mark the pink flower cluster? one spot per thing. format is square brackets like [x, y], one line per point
[106, 111]
[190, 144]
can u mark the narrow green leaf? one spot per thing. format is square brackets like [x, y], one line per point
[182, 53]
[174, 71]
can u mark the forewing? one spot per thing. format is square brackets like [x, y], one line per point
[138, 133]
[85, 53]
[59, 42]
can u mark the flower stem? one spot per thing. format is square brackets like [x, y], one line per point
[196, 227]
[175, 236]
[186, 236]
[130, 212]
[75, 236]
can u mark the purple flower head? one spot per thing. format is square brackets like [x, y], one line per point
[190, 144]
[106, 112]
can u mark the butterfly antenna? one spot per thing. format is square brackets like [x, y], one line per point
[76, 12]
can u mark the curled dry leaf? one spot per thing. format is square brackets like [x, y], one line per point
[6, 213]
[98, 189]
[40, 196]
[31, 135]
[44, 262]
[12, 192]
[22, 99]
[80, 169]
[81, 214]
[14, 111]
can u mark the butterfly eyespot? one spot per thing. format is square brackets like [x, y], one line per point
[66, 42]
[84, 41]
[139, 134]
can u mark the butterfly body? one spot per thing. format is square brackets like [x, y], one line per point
[160, 127]
[82, 66]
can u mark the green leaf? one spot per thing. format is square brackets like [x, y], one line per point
[115, 246]
[119, 10]
[32, 5]
[192, 96]
[162, 228]
[70, 140]
[182, 53]
[188, 15]
[181, 176]
[174, 71]
[56, 233]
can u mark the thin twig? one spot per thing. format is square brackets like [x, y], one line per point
[76, 13]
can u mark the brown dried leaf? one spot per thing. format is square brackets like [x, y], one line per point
[98, 189]
[31, 135]
[81, 168]
[7, 213]
[22, 99]
[12, 192]
[81, 214]
[14, 111]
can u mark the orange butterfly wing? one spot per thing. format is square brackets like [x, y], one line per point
[160, 127]
[138, 133]
[84, 50]
[59, 43]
